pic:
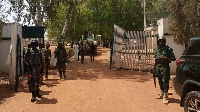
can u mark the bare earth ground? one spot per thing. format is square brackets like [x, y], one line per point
[92, 87]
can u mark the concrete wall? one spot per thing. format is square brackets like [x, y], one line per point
[178, 51]
[163, 26]
[10, 30]
[4, 50]
[7, 29]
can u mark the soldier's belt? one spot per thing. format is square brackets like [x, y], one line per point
[162, 64]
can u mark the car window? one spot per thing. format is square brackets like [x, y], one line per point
[193, 49]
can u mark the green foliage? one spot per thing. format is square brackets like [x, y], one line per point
[157, 11]
[185, 19]
[34, 11]
[100, 16]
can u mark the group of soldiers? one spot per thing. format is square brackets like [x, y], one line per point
[36, 59]
[37, 62]
[79, 49]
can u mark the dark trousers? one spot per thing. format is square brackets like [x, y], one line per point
[61, 68]
[92, 56]
[34, 80]
[47, 64]
[82, 57]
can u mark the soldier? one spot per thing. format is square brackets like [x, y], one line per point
[35, 59]
[61, 55]
[92, 51]
[82, 52]
[42, 68]
[164, 55]
[26, 55]
[47, 56]
[27, 64]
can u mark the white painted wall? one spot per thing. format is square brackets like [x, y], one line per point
[178, 51]
[4, 50]
[10, 30]
[163, 26]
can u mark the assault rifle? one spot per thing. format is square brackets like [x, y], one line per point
[154, 76]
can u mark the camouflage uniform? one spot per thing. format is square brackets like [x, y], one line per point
[27, 65]
[47, 55]
[35, 59]
[41, 49]
[163, 68]
[61, 55]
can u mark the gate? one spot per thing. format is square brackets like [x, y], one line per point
[18, 63]
[133, 50]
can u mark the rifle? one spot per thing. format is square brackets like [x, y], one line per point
[153, 71]
[154, 76]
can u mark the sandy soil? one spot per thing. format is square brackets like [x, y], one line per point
[92, 87]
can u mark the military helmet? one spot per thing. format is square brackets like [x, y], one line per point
[162, 38]
[34, 43]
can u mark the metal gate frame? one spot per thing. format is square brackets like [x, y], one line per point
[135, 52]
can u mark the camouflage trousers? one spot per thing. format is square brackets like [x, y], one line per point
[61, 68]
[35, 78]
[46, 70]
[163, 74]
[41, 73]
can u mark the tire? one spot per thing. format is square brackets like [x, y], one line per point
[192, 102]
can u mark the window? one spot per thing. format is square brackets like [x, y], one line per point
[193, 49]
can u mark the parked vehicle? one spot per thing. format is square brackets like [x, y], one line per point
[188, 77]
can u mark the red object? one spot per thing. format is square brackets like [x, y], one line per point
[30, 76]
[179, 61]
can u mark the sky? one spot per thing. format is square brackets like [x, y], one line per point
[4, 6]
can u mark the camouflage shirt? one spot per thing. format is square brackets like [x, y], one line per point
[164, 51]
[47, 53]
[60, 54]
[35, 57]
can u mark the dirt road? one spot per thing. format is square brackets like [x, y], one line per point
[92, 87]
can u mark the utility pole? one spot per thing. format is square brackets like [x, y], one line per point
[143, 2]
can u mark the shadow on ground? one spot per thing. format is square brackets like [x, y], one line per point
[100, 70]
[5, 92]
[44, 100]
[76, 71]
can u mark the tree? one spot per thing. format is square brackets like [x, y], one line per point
[156, 11]
[185, 19]
[77, 22]
[100, 16]
[35, 10]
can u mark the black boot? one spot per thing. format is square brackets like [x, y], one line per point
[60, 75]
[33, 96]
[64, 75]
[38, 94]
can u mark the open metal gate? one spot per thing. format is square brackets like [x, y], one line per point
[133, 50]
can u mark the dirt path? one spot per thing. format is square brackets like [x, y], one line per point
[92, 87]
